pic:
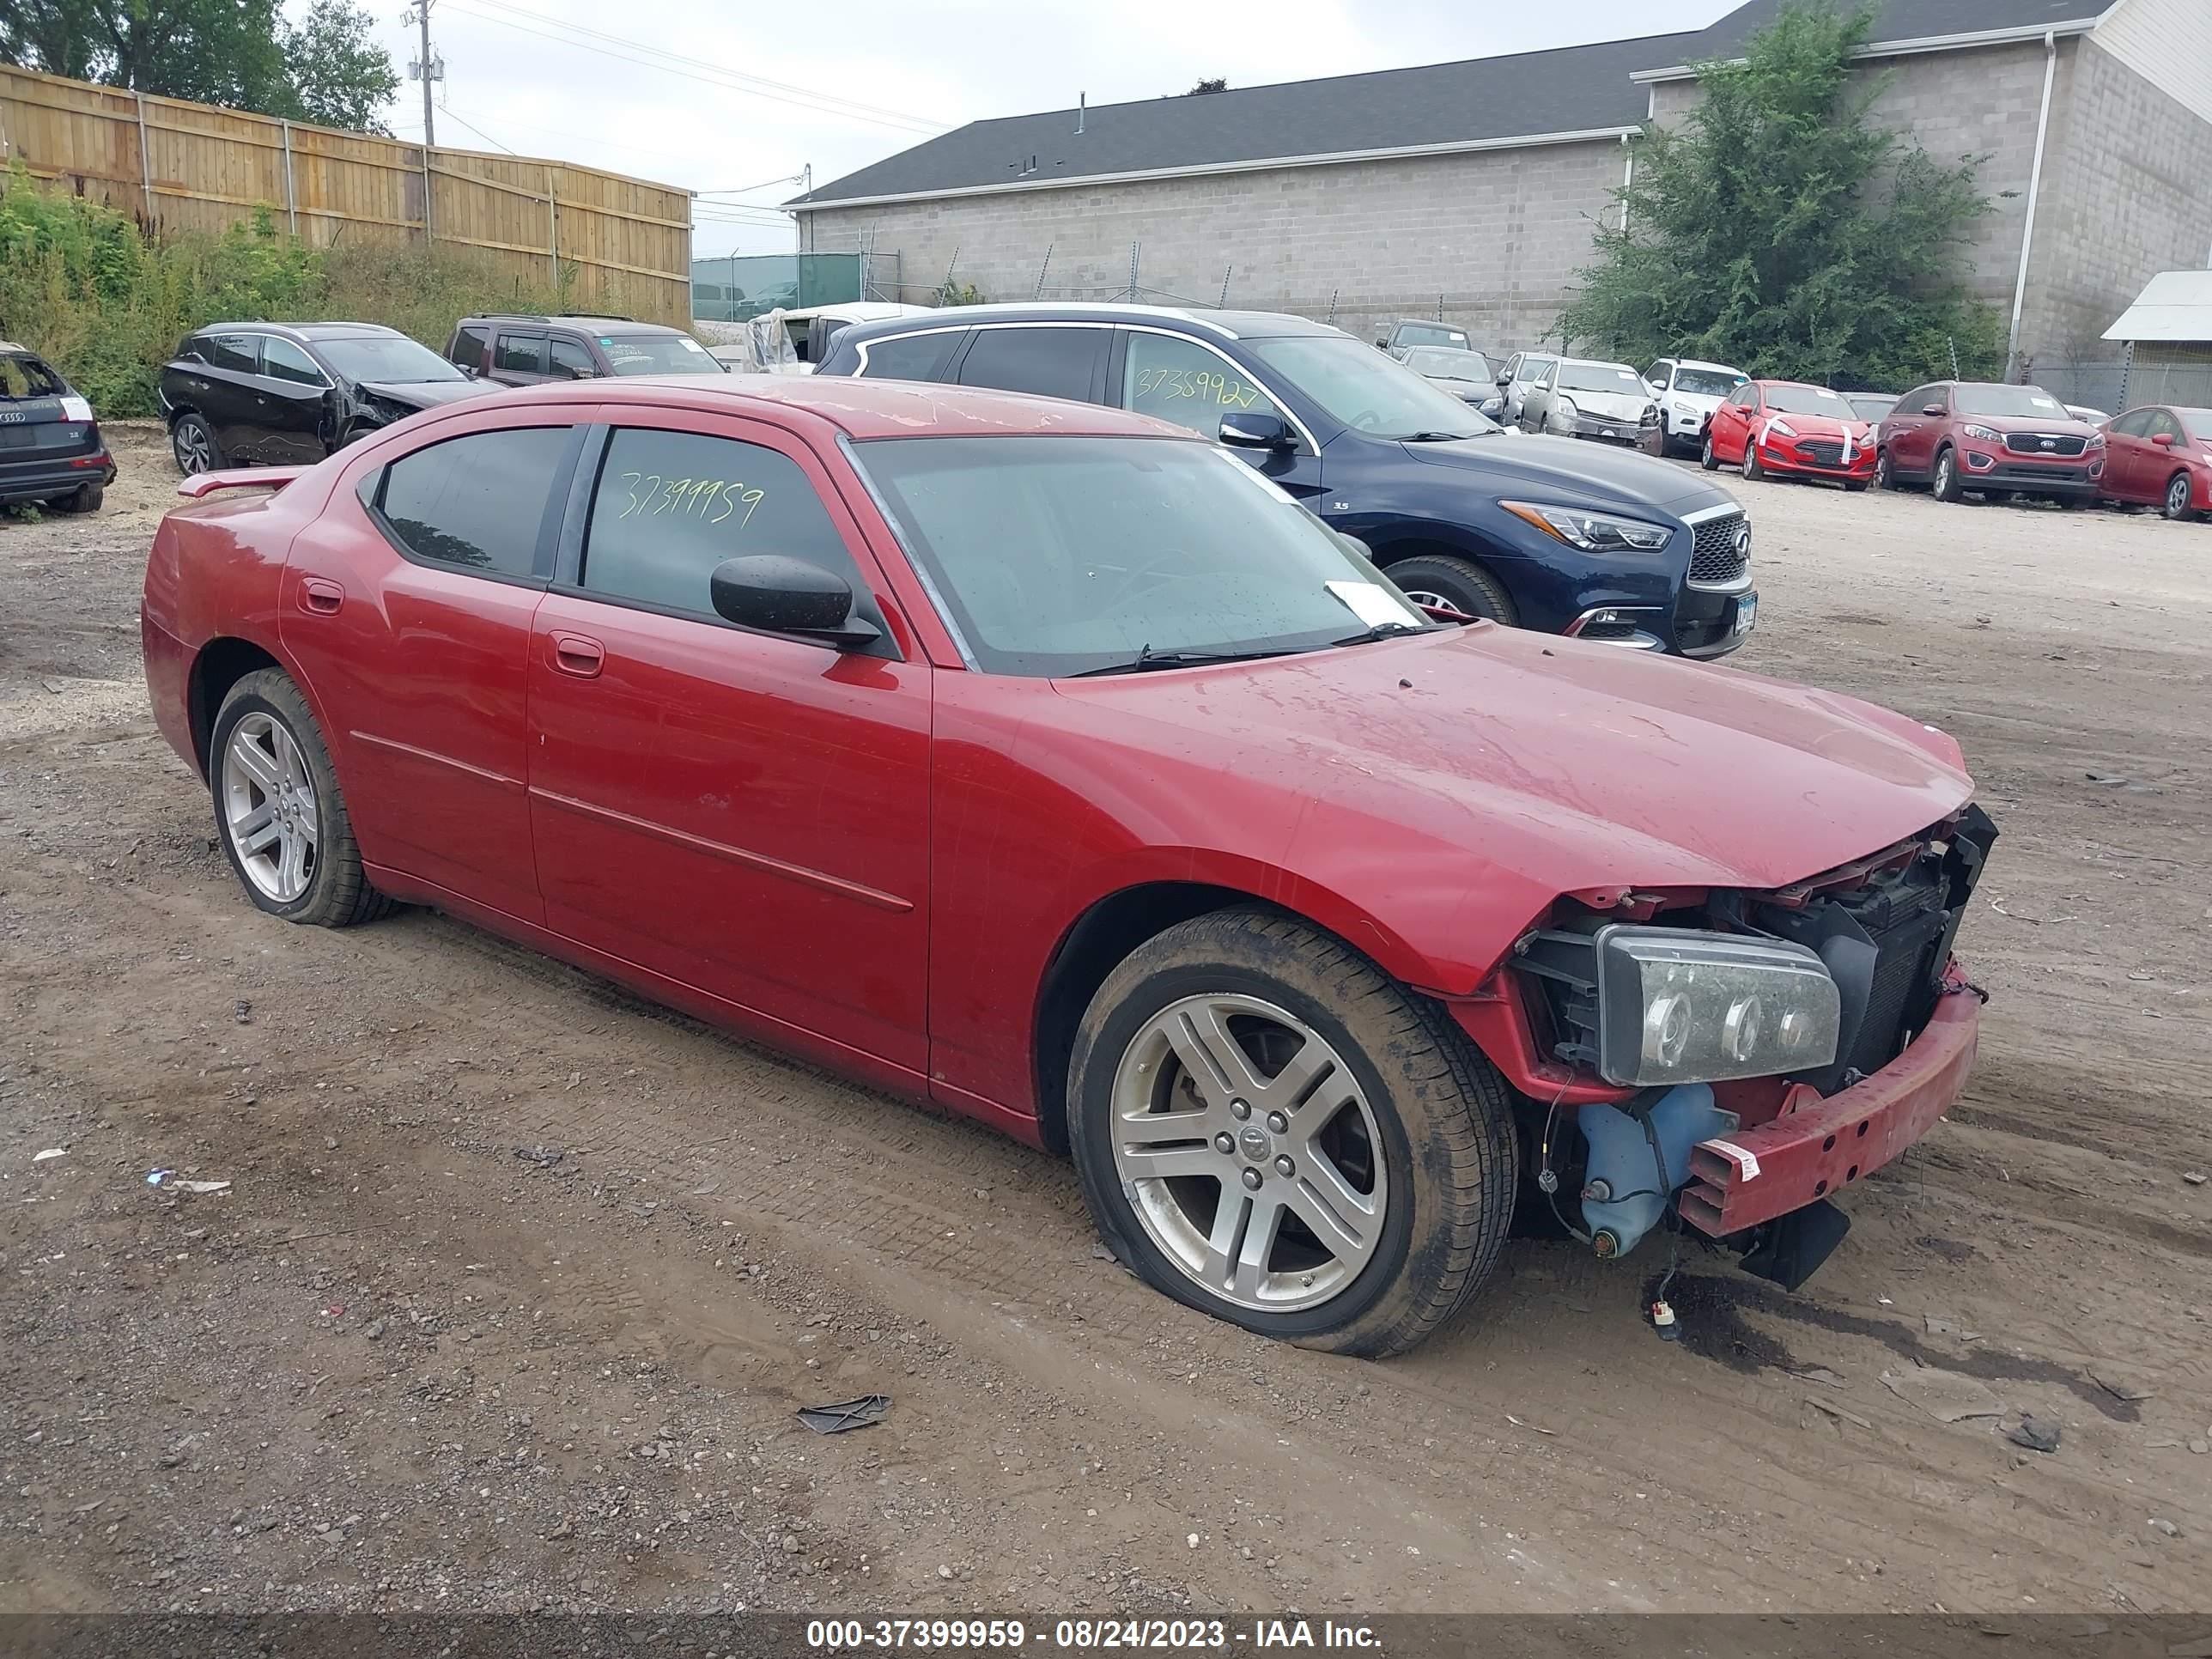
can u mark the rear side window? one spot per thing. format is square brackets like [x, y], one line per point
[475, 502]
[671, 506]
[1055, 362]
[911, 356]
[468, 348]
[235, 352]
[524, 353]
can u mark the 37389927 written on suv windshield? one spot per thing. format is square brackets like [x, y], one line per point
[1059, 555]
[1366, 390]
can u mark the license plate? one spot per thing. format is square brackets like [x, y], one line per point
[1746, 613]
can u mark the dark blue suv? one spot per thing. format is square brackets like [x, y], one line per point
[1537, 532]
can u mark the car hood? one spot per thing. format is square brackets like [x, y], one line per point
[2062, 425]
[1582, 471]
[428, 394]
[1823, 425]
[1531, 763]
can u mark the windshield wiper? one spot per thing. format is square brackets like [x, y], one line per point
[1147, 659]
[1388, 630]
[1437, 437]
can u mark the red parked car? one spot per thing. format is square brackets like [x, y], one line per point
[1049, 764]
[1788, 427]
[1998, 441]
[2160, 456]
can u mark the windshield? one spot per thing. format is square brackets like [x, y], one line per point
[2022, 403]
[657, 353]
[1808, 400]
[1601, 377]
[1368, 390]
[1706, 382]
[373, 358]
[1057, 555]
[2199, 422]
[1421, 334]
[1872, 409]
[27, 377]
[1442, 363]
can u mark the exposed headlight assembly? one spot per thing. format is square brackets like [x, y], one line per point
[1594, 533]
[1675, 1006]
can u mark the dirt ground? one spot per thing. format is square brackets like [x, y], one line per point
[518, 1282]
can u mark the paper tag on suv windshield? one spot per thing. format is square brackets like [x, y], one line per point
[693, 346]
[1376, 606]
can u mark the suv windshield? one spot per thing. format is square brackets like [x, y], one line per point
[1808, 400]
[374, 358]
[1601, 377]
[1444, 363]
[657, 353]
[1061, 555]
[1367, 390]
[1705, 382]
[27, 377]
[2023, 402]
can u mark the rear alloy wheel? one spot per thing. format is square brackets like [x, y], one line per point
[192, 441]
[1707, 458]
[1454, 583]
[2177, 506]
[1270, 1129]
[1947, 476]
[282, 822]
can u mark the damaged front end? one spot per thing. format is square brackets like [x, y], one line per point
[1739, 1057]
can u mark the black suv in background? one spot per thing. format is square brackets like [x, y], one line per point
[279, 394]
[1539, 533]
[525, 350]
[51, 450]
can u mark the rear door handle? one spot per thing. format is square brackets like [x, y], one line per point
[322, 598]
[576, 654]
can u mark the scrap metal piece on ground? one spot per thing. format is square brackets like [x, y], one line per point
[1946, 1396]
[846, 1414]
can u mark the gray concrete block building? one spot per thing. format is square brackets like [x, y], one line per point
[1473, 187]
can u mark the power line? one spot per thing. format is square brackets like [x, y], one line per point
[452, 114]
[723, 81]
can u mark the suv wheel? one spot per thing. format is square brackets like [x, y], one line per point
[85, 498]
[192, 441]
[1946, 475]
[1456, 584]
[1885, 474]
[1270, 1129]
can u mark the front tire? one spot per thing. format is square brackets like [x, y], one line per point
[1367, 1187]
[2176, 504]
[1884, 473]
[193, 443]
[278, 813]
[1707, 457]
[1751, 471]
[1459, 583]
[1947, 476]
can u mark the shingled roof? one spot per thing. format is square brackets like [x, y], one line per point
[1478, 103]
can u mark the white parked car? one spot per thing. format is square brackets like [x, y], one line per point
[1583, 397]
[1687, 392]
[780, 342]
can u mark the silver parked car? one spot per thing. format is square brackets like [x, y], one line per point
[1521, 371]
[1468, 375]
[1578, 398]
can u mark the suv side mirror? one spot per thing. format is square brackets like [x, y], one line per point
[1936, 409]
[1242, 430]
[783, 595]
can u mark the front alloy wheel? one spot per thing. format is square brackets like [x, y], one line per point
[2177, 498]
[1270, 1129]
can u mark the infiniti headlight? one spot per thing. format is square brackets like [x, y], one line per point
[1594, 532]
[1679, 1006]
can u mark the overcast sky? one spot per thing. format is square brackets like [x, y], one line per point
[659, 88]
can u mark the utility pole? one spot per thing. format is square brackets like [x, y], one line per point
[425, 69]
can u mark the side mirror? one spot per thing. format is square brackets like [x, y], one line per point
[1504, 379]
[1254, 431]
[783, 595]
[2163, 439]
[1382, 345]
[1936, 409]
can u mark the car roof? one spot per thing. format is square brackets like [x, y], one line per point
[303, 331]
[1222, 324]
[864, 409]
[13, 349]
[1700, 363]
[583, 322]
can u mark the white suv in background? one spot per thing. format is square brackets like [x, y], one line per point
[1687, 392]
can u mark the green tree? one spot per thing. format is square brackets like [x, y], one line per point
[1779, 227]
[239, 53]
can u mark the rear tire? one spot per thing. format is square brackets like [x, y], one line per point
[85, 498]
[193, 443]
[1391, 1130]
[278, 812]
[1947, 476]
[1460, 582]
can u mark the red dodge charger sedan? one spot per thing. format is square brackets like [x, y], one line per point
[1049, 765]
[1788, 427]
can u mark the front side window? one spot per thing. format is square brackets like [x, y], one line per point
[570, 358]
[519, 354]
[1531, 367]
[1366, 390]
[671, 506]
[475, 502]
[1657, 375]
[468, 348]
[283, 361]
[1745, 397]
[657, 353]
[1181, 381]
[1059, 555]
[1053, 362]
[2164, 425]
[2029, 402]
[911, 356]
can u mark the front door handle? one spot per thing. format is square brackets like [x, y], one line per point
[576, 654]
[320, 596]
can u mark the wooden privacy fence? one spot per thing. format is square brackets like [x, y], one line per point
[601, 238]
